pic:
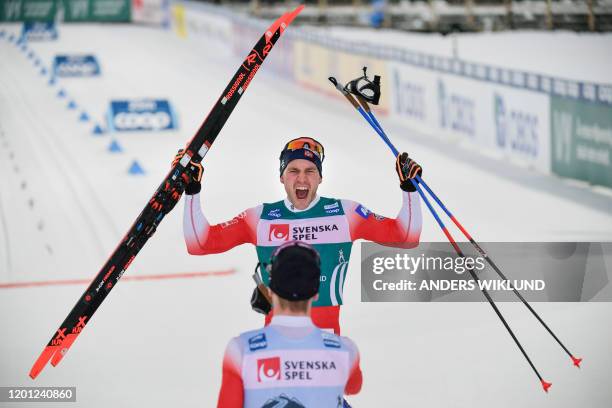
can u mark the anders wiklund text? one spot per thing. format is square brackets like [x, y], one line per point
[460, 285]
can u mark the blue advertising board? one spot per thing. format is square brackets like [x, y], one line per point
[141, 115]
[75, 66]
[39, 31]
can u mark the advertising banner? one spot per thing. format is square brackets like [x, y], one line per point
[581, 139]
[512, 121]
[28, 10]
[521, 125]
[97, 10]
[39, 31]
[141, 115]
[155, 12]
[75, 66]
[198, 22]
[413, 97]
[314, 64]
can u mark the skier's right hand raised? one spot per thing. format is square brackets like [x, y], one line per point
[194, 171]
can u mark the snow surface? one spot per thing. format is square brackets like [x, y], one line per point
[65, 202]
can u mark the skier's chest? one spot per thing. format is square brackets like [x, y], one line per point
[317, 230]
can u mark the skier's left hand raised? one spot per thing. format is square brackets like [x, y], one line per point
[407, 170]
[196, 170]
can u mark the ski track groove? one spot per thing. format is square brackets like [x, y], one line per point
[101, 210]
[54, 153]
[7, 244]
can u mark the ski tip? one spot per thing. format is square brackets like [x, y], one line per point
[63, 349]
[41, 361]
[546, 385]
[57, 357]
[283, 22]
[576, 361]
[289, 17]
[275, 26]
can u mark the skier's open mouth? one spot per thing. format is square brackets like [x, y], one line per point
[301, 192]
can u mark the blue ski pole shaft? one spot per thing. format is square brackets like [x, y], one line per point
[371, 119]
[369, 116]
[459, 252]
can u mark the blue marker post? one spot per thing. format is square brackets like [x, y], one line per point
[135, 169]
[97, 130]
[115, 147]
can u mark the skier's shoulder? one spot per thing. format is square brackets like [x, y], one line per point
[356, 208]
[251, 212]
[348, 205]
[343, 206]
[332, 205]
[349, 344]
[272, 210]
[335, 341]
[253, 340]
[273, 204]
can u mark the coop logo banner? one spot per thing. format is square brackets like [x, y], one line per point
[76, 66]
[141, 115]
[34, 31]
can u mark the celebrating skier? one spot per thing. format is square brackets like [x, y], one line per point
[330, 225]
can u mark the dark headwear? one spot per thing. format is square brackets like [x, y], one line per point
[295, 271]
[305, 148]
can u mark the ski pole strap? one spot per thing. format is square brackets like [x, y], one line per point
[364, 88]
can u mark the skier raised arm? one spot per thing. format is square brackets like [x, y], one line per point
[330, 225]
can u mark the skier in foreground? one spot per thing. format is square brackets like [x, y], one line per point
[330, 225]
[290, 363]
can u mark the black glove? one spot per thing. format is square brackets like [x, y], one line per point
[407, 170]
[259, 302]
[195, 172]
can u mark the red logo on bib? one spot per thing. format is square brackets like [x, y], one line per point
[268, 369]
[278, 232]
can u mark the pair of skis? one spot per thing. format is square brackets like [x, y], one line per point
[163, 200]
[361, 91]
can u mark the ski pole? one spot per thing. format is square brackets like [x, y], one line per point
[378, 129]
[374, 123]
[576, 361]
